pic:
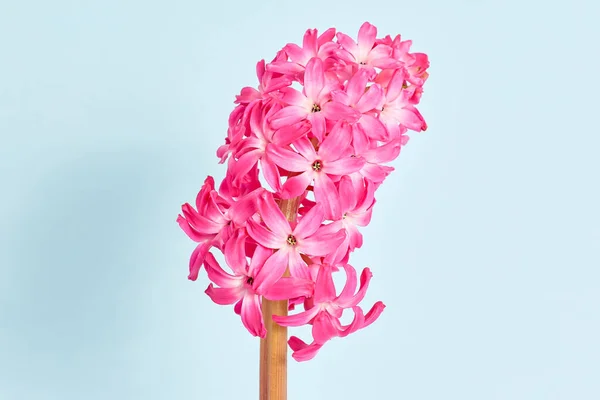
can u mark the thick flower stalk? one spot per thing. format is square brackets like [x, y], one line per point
[320, 128]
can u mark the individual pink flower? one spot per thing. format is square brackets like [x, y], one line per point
[356, 209]
[324, 310]
[269, 82]
[242, 287]
[398, 112]
[332, 160]
[365, 100]
[313, 45]
[313, 104]
[289, 242]
[253, 149]
[213, 221]
[364, 52]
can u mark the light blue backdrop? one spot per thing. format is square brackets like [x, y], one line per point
[484, 244]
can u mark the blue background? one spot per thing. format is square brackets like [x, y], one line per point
[484, 243]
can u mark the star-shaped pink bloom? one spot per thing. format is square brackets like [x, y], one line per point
[356, 203]
[332, 160]
[242, 288]
[398, 112]
[365, 100]
[313, 45]
[253, 149]
[289, 241]
[325, 309]
[365, 53]
[213, 221]
[313, 104]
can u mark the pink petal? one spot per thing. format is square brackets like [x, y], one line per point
[224, 296]
[291, 133]
[324, 286]
[306, 353]
[339, 96]
[306, 149]
[289, 288]
[260, 255]
[371, 99]
[317, 121]
[324, 328]
[350, 286]
[295, 52]
[296, 185]
[265, 237]
[326, 37]
[251, 314]
[217, 275]
[285, 68]
[373, 127]
[347, 43]
[273, 217]
[235, 254]
[336, 143]
[366, 38]
[199, 223]
[245, 207]
[395, 86]
[327, 195]
[309, 41]
[292, 97]
[189, 230]
[298, 267]
[271, 173]
[348, 196]
[321, 245]
[344, 166]
[271, 271]
[310, 222]
[197, 259]
[357, 323]
[314, 79]
[244, 164]
[383, 154]
[374, 313]
[287, 159]
[356, 86]
[287, 116]
[299, 319]
[411, 118]
[347, 302]
[335, 111]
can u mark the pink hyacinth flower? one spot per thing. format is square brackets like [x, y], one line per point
[333, 160]
[356, 209]
[313, 45]
[289, 242]
[242, 287]
[213, 221]
[326, 310]
[364, 53]
[398, 112]
[313, 104]
[253, 149]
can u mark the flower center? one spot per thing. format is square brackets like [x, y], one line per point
[250, 280]
[291, 240]
[315, 108]
[316, 166]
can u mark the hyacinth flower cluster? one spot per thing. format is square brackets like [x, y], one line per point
[318, 133]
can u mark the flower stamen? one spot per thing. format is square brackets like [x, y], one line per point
[291, 240]
[317, 165]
